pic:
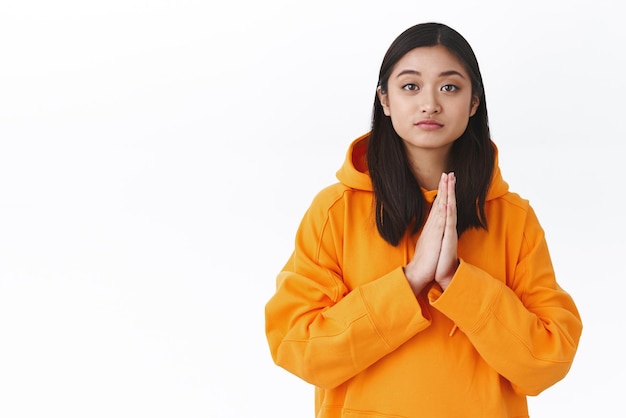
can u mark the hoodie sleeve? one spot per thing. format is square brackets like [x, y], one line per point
[320, 330]
[527, 330]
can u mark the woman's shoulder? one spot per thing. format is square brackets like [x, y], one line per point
[330, 195]
[334, 198]
[514, 200]
[513, 208]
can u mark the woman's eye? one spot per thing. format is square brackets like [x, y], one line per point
[410, 86]
[449, 88]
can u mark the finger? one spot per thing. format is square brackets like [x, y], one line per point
[441, 201]
[451, 203]
[438, 209]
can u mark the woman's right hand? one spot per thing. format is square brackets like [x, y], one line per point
[420, 271]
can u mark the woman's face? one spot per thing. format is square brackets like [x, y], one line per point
[429, 99]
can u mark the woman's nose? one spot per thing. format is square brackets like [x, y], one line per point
[429, 103]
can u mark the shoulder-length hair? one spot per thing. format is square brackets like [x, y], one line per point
[399, 201]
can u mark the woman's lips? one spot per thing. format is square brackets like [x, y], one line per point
[429, 124]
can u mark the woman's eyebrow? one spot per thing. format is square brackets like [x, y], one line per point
[442, 74]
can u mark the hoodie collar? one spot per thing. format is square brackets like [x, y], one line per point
[354, 174]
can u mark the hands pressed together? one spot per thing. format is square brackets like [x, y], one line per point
[435, 255]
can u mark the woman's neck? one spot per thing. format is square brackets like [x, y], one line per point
[427, 166]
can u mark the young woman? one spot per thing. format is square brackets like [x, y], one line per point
[420, 286]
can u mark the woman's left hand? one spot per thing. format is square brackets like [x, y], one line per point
[448, 258]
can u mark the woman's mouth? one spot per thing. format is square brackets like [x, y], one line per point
[429, 124]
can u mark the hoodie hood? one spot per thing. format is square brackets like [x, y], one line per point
[354, 174]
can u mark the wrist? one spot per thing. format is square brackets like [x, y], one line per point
[445, 281]
[416, 284]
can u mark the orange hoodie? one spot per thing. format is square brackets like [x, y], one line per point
[345, 319]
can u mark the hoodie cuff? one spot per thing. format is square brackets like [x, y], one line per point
[468, 297]
[393, 308]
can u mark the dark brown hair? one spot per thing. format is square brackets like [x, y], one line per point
[399, 202]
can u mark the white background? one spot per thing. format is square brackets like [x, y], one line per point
[156, 157]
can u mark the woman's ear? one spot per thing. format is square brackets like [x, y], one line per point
[474, 107]
[384, 100]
